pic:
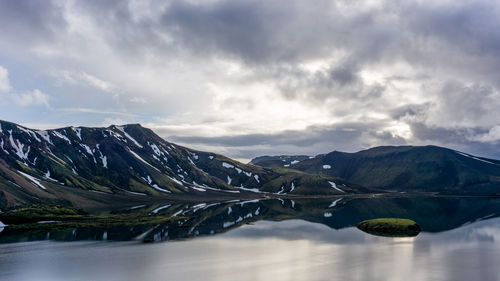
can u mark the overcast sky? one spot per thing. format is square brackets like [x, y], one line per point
[251, 77]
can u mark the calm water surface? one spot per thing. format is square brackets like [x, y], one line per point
[315, 242]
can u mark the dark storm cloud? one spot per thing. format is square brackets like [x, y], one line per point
[254, 31]
[444, 135]
[340, 82]
[412, 110]
[282, 31]
[458, 138]
[469, 25]
[30, 19]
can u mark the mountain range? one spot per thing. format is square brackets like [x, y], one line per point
[401, 169]
[93, 167]
[101, 166]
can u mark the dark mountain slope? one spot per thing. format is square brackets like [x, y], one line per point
[278, 161]
[410, 168]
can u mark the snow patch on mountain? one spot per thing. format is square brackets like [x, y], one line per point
[61, 136]
[33, 180]
[248, 189]
[256, 177]
[155, 211]
[475, 158]
[45, 135]
[122, 129]
[29, 132]
[335, 186]
[19, 147]
[87, 148]
[155, 186]
[104, 160]
[142, 160]
[47, 176]
[78, 132]
[282, 190]
[155, 148]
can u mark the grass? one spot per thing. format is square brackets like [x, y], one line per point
[393, 227]
[27, 218]
[35, 213]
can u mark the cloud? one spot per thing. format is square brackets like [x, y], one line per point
[35, 97]
[4, 80]
[493, 135]
[138, 100]
[311, 140]
[478, 140]
[84, 79]
[285, 76]
[466, 105]
[32, 20]
[96, 111]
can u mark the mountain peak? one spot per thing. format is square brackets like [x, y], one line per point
[131, 125]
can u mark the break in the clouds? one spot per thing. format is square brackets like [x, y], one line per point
[252, 77]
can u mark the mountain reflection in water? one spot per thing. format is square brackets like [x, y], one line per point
[433, 214]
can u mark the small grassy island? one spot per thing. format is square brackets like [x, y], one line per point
[391, 227]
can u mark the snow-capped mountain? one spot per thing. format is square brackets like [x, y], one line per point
[131, 161]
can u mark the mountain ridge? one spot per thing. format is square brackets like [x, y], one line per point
[132, 161]
[407, 168]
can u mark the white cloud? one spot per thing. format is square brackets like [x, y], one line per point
[138, 100]
[83, 79]
[96, 111]
[35, 97]
[4, 80]
[493, 135]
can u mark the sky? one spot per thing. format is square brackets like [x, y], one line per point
[251, 77]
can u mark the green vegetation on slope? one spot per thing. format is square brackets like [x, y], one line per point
[29, 218]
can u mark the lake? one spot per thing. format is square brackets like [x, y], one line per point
[270, 240]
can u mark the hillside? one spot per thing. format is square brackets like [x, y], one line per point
[278, 161]
[123, 163]
[408, 168]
